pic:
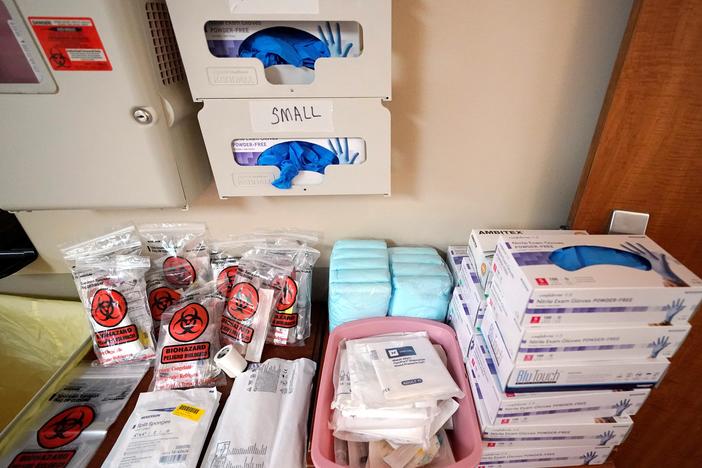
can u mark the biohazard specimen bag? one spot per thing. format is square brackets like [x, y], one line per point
[225, 256]
[189, 340]
[75, 421]
[251, 302]
[291, 321]
[110, 282]
[179, 259]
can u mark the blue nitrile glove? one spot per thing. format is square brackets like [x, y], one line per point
[659, 345]
[673, 309]
[294, 156]
[588, 457]
[334, 43]
[345, 157]
[581, 256]
[622, 406]
[282, 45]
[606, 437]
[659, 263]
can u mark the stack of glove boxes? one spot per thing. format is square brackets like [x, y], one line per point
[576, 331]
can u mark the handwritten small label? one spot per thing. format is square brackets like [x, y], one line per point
[300, 115]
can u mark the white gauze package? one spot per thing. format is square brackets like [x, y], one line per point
[264, 422]
[166, 428]
[76, 418]
[407, 368]
[189, 340]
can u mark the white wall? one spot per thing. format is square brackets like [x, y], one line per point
[494, 106]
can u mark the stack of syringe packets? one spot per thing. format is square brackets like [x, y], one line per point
[567, 340]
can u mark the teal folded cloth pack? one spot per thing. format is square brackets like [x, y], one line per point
[421, 283]
[359, 263]
[359, 281]
[417, 259]
[361, 252]
[370, 275]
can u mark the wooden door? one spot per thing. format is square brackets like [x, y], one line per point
[646, 156]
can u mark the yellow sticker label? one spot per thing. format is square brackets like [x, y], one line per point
[189, 412]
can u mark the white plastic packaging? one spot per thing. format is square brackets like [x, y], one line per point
[166, 428]
[189, 340]
[264, 422]
[123, 241]
[251, 302]
[75, 421]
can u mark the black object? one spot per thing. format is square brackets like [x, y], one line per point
[16, 250]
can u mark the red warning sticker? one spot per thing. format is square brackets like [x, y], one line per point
[283, 320]
[50, 459]
[236, 330]
[116, 336]
[71, 44]
[185, 353]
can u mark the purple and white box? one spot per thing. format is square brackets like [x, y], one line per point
[496, 407]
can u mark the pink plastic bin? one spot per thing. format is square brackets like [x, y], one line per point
[465, 437]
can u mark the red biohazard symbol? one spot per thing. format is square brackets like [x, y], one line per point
[287, 299]
[161, 299]
[179, 271]
[188, 323]
[108, 307]
[243, 301]
[65, 427]
[225, 280]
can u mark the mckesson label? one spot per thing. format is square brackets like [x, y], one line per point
[400, 352]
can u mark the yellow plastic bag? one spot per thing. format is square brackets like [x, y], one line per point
[38, 337]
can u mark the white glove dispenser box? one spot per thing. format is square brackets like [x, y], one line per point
[225, 121]
[365, 72]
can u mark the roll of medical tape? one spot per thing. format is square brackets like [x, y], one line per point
[231, 362]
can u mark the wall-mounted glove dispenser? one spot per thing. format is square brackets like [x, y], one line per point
[285, 48]
[278, 147]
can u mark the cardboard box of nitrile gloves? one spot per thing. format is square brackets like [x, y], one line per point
[529, 376]
[473, 292]
[594, 431]
[540, 343]
[537, 457]
[483, 242]
[596, 279]
[496, 407]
